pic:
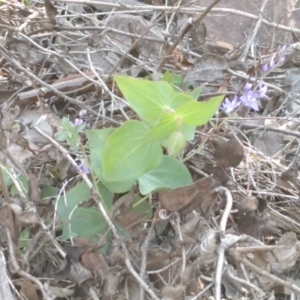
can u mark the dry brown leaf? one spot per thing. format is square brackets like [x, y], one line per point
[28, 218]
[51, 11]
[248, 204]
[92, 260]
[129, 220]
[28, 290]
[248, 223]
[185, 199]
[124, 203]
[229, 154]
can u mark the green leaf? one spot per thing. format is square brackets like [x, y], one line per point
[84, 222]
[167, 124]
[170, 174]
[188, 131]
[147, 98]
[176, 143]
[199, 113]
[97, 141]
[180, 99]
[106, 196]
[172, 78]
[49, 192]
[195, 93]
[125, 154]
[61, 136]
[73, 140]
[73, 197]
[66, 124]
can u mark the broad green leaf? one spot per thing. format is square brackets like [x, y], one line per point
[195, 93]
[61, 136]
[147, 98]
[73, 197]
[126, 156]
[167, 124]
[106, 196]
[199, 113]
[188, 131]
[180, 99]
[170, 174]
[49, 192]
[97, 140]
[84, 222]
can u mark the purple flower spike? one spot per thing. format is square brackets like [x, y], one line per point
[229, 106]
[77, 122]
[249, 100]
[83, 168]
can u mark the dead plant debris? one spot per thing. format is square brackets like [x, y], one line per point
[231, 234]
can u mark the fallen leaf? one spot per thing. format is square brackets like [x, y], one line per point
[28, 290]
[129, 220]
[229, 154]
[51, 11]
[185, 199]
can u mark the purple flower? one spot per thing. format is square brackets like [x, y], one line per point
[248, 86]
[229, 106]
[249, 100]
[265, 68]
[262, 90]
[280, 59]
[77, 122]
[84, 168]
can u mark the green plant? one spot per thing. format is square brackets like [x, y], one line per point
[134, 152]
[70, 132]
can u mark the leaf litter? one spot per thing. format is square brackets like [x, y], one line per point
[173, 245]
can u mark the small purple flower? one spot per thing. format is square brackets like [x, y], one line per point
[229, 106]
[262, 90]
[265, 68]
[249, 100]
[84, 168]
[77, 122]
[248, 87]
